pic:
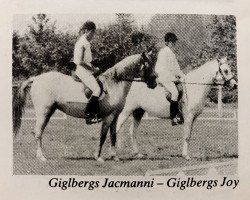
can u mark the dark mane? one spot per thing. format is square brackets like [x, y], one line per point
[127, 66]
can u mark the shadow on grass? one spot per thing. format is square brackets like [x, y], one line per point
[208, 158]
[145, 157]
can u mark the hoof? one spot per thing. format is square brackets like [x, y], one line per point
[139, 155]
[115, 158]
[187, 157]
[43, 159]
[100, 160]
[96, 155]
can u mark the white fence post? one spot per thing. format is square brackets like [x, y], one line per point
[220, 101]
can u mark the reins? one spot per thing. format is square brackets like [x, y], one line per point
[190, 83]
[132, 80]
[186, 83]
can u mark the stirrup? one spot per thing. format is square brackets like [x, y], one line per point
[174, 121]
[180, 119]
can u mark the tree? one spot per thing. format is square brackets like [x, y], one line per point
[190, 30]
[43, 48]
[114, 41]
[16, 60]
[222, 43]
[201, 38]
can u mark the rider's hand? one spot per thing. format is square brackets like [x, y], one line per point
[179, 78]
[95, 70]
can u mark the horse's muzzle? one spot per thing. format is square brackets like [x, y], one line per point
[152, 84]
[235, 86]
[232, 84]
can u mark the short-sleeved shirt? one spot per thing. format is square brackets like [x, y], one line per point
[167, 65]
[82, 51]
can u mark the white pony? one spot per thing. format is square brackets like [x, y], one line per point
[195, 90]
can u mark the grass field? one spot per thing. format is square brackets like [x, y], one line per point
[69, 145]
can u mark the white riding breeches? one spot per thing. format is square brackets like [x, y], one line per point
[89, 80]
[171, 87]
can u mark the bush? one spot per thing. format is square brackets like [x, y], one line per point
[43, 48]
[115, 41]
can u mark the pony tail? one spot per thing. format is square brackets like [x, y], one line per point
[18, 103]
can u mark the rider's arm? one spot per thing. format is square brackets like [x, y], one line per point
[87, 66]
[177, 68]
[79, 57]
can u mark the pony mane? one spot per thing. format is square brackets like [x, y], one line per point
[123, 68]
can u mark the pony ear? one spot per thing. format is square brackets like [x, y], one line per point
[223, 59]
[144, 56]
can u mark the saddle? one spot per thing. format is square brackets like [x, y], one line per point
[88, 92]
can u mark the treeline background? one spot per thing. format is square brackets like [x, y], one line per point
[44, 47]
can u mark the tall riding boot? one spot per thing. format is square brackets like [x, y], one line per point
[173, 112]
[180, 117]
[92, 111]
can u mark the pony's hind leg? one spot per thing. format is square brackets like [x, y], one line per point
[188, 126]
[42, 119]
[120, 121]
[113, 140]
[137, 116]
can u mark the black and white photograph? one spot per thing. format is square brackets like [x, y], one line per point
[124, 94]
[124, 99]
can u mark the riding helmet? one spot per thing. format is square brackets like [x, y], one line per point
[170, 37]
[88, 25]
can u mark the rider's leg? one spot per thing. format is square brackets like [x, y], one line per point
[93, 104]
[89, 80]
[174, 102]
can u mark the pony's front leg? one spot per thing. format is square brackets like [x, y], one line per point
[113, 140]
[137, 116]
[105, 127]
[188, 126]
[120, 121]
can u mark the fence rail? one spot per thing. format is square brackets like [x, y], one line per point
[146, 116]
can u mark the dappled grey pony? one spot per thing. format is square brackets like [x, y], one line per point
[154, 102]
[53, 90]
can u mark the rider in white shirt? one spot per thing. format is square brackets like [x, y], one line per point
[169, 72]
[84, 70]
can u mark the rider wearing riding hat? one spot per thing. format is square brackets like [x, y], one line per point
[84, 70]
[169, 73]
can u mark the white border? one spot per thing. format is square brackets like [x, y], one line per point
[36, 187]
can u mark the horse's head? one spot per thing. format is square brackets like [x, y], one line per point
[224, 74]
[135, 66]
[148, 73]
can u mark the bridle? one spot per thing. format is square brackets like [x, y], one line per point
[143, 67]
[226, 81]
